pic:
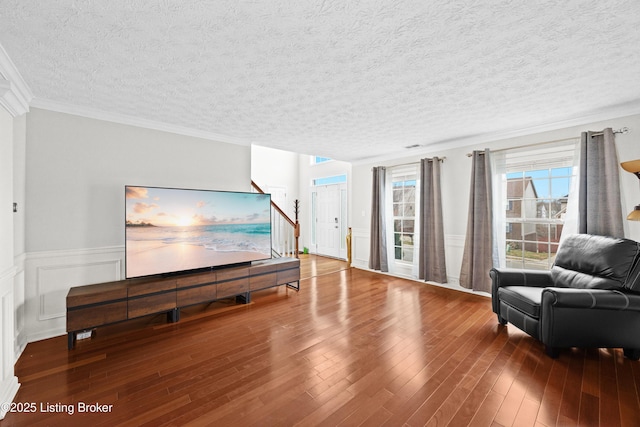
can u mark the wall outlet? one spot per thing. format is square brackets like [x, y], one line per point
[83, 335]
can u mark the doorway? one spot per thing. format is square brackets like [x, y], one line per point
[329, 217]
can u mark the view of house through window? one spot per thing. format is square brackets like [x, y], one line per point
[404, 215]
[535, 213]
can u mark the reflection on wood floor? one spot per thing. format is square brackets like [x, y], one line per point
[352, 347]
[313, 265]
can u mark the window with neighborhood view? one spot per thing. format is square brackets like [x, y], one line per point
[537, 192]
[404, 214]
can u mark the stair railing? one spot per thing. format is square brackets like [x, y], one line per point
[285, 232]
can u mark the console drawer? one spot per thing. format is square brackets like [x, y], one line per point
[95, 294]
[233, 287]
[150, 287]
[287, 276]
[103, 314]
[232, 273]
[197, 295]
[151, 304]
[262, 281]
[262, 267]
[196, 279]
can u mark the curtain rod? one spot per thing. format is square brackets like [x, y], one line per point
[441, 159]
[623, 130]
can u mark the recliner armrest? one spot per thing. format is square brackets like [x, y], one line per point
[512, 277]
[590, 299]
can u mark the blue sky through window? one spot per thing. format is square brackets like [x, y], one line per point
[318, 159]
[338, 179]
[549, 183]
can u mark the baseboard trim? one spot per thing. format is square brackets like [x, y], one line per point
[453, 287]
[8, 392]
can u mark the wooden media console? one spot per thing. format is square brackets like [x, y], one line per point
[101, 304]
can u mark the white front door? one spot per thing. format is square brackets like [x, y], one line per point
[330, 219]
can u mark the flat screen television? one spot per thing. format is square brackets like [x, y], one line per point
[172, 230]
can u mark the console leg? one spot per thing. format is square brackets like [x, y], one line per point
[294, 287]
[173, 316]
[71, 339]
[244, 298]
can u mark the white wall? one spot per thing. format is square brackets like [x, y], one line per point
[8, 381]
[6, 190]
[76, 170]
[19, 182]
[19, 227]
[276, 168]
[456, 175]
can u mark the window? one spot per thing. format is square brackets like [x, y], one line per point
[404, 215]
[337, 179]
[537, 184]
[317, 159]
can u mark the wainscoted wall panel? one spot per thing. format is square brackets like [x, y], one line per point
[453, 249]
[20, 339]
[360, 248]
[53, 283]
[51, 274]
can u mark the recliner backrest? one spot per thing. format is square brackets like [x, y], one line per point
[597, 262]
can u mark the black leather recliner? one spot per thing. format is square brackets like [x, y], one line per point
[589, 298]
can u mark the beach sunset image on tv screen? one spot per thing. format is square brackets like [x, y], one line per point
[171, 230]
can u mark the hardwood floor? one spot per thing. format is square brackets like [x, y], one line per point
[350, 348]
[312, 265]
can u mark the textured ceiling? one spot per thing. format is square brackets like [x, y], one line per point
[344, 79]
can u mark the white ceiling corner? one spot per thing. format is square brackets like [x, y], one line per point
[348, 80]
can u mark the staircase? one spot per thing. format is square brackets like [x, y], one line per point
[285, 232]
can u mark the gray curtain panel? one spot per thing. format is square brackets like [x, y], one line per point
[600, 210]
[477, 258]
[431, 260]
[378, 243]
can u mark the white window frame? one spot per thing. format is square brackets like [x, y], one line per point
[550, 157]
[400, 266]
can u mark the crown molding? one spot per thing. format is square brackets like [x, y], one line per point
[614, 112]
[93, 113]
[15, 94]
